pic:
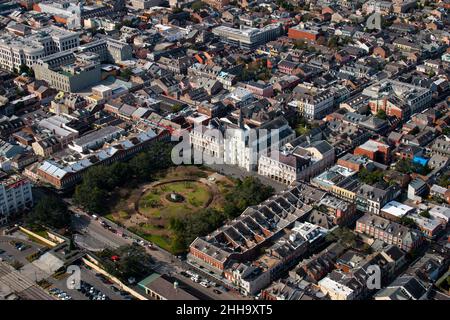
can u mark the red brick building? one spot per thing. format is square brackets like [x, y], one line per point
[305, 34]
[374, 150]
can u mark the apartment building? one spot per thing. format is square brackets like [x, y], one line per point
[394, 97]
[145, 4]
[302, 163]
[372, 198]
[69, 71]
[72, 13]
[338, 180]
[304, 32]
[15, 195]
[64, 173]
[247, 37]
[241, 239]
[374, 150]
[388, 231]
[382, 7]
[109, 50]
[96, 139]
[316, 105]
[336, 290]
[16, 51]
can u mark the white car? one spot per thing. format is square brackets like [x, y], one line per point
[204, 284]
[195, 279]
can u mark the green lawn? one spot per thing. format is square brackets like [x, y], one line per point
[196, 195]
[157, 207]
[161, 241]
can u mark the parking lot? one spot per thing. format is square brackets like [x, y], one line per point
[9, 252]
[90, 280]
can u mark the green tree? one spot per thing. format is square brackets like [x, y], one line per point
[425, 214]
[381, 114]
[133, 262]
[126, 74]
[247, 192]
[300, 44]
[444, 181]
[370, 177]
[176, 108]
[189, 227]
[93, 199]
[333, 42]
[49, 211]
[99, 182]
[198, 5]
[407, 221]
[27, 70]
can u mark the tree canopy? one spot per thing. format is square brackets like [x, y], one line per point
[246, 193]
[99, 181]
[370, 177]
[132, 262]
[49, 211]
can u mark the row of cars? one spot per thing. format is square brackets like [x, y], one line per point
[123, 235]
[60, 294]
[203, 282]
[124, 294]
[20, 246]
[91, 292]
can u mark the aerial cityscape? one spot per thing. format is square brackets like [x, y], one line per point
[247, 150]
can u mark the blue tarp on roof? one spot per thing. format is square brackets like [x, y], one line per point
[420, 160]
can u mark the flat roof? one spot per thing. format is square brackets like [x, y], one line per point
[396, 209]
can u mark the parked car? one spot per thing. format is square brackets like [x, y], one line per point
[204, 284]
[115, 289]
[184, 274]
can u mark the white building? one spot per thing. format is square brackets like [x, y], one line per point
[238, 144]
[16, 51]
[249, 278]
[244, 146]
[316, 105]
[335, 290]
[71, 11]
[145, 4]
[95, 139]
[442, 213]
[308, 231]
[302, 163]
[208, 140]
[249, 38]
[15, 195]
[396, 210]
